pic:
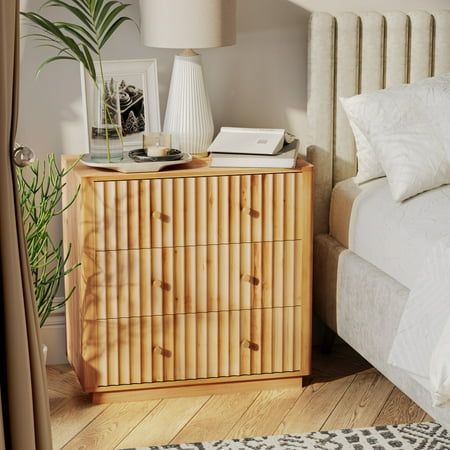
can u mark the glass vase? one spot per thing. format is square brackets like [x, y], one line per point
[106, 128]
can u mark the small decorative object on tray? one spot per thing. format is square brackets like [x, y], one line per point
[157, 144]
[136, 161]
[142, 155]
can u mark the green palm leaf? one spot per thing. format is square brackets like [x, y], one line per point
[82, 4]
[90, 62]
[79, 3]
[95, 21]
[97, 7]
[80, 33]
[54, 58]
[109, 31]
[102, 13]
[103, 26]
[79, 13]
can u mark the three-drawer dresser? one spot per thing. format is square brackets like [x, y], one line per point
[193, 280]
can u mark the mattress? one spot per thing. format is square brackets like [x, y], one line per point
[394, 237]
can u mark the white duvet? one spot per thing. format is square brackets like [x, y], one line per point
[410, 241]
[422, 343]
[395, 237]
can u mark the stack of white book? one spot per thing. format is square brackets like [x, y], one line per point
[254, 147]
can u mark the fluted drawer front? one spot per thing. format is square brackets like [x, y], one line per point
[132, 283]
[178, 212]
[202, 345]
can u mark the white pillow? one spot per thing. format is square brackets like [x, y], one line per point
[369, 166]
[408, 128]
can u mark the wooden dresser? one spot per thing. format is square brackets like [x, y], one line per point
[193, 280]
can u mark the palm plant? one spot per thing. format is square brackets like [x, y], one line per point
[40, 188]
[83, 39]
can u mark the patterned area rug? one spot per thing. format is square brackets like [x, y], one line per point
[423, 436]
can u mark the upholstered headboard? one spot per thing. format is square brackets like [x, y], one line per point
[350, 54]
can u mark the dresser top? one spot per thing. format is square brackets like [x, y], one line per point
[196, 168]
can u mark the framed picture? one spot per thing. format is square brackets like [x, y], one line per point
[139, 98]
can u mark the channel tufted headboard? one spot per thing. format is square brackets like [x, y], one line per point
[350, 54]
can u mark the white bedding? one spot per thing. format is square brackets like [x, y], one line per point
[422, 342]
[411, 243]
[395, 237]
[406, 132]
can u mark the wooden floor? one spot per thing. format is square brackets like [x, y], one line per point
[344, 391]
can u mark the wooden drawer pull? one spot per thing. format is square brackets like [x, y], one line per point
[250, 279]
[251, 212]
[160, 216]
[159, 284]
[250, 345]
[162, 351]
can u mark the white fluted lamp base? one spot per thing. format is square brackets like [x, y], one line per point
[188, 114]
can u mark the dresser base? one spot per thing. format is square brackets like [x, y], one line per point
[207, 388]
[193, 273]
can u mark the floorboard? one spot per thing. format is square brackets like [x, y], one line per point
[217, 417]
[111, 426]
[399, 409]
[343, 391]
[314, 406]
[165, 421]
[361, 403]
[71, 417]
[265, 413]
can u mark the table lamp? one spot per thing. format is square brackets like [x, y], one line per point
[188, 25]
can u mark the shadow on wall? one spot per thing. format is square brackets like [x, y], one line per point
[261, 81]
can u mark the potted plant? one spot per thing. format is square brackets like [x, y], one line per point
[81, 38]
[40, 187]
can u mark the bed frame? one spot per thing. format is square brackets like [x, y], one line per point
[350, 54]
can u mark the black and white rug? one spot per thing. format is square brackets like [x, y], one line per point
[422, 436]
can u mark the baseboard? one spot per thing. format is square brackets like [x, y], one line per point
[53, 334]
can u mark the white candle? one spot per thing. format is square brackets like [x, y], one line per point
[157, 150]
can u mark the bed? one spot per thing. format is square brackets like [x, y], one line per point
[361, 289]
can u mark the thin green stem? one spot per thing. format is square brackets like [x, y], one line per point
[40, 188]
[118, 129]
[104, 105]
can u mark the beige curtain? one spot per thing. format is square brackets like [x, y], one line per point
[24, 412]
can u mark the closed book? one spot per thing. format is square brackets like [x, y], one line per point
[286, 159]
[265, 141]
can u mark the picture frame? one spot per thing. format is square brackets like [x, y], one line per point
[139, 96]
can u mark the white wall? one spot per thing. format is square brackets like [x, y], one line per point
[261, 81]
[258, 82]
[372, 5]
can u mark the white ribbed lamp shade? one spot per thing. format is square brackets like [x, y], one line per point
[188, 23]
